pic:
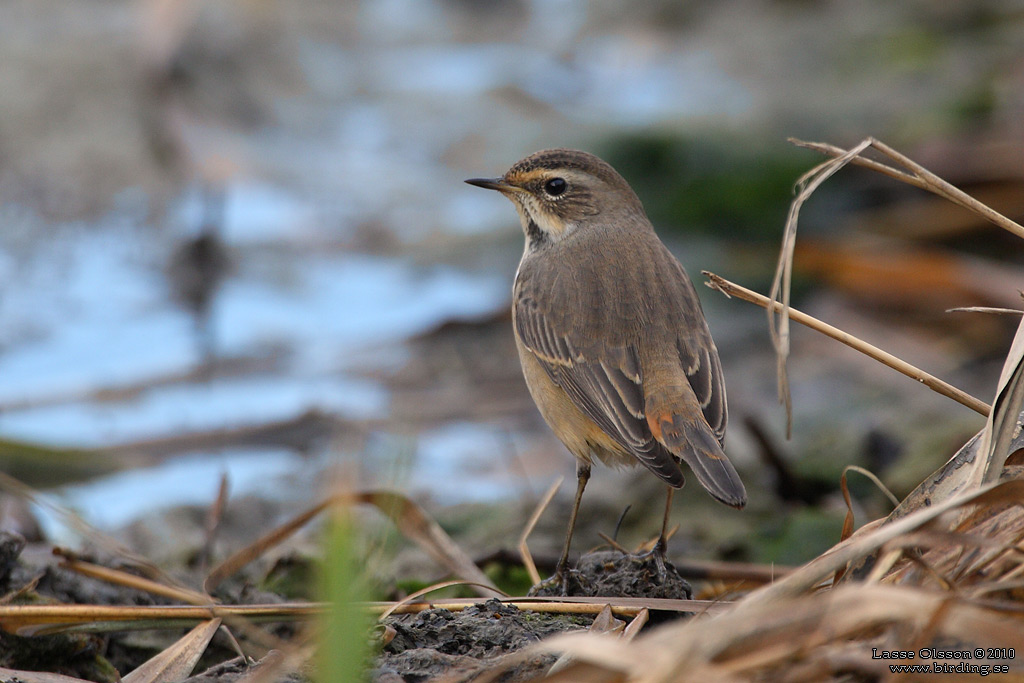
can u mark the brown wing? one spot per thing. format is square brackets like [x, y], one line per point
[699, 357]
[596, 329]
[575, 333]
[685, 398]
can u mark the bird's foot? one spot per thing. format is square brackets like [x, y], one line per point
[563, 583]
[657, 555]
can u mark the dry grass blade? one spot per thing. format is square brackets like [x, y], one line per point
[524, 548]
[412, 597]
[74, 521]
[604, 623]
[985, 309]
[411, 519]
[914, 174]
[121, 578]
[31, 620]
[934, 383]
[859, 546]
[874, 480]
[177, 661]
[884, 565]
[24, 592]
[763, 642]
[213, 521]
[918, 176]
[780, 289]
[256, 549]
[612, 543]
[884, 169]
[622, 607]
[416, 525]
[1003, 422]
[849, 520]
[36, 677]
[639, 621]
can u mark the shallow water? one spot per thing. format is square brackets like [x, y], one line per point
[96, 353]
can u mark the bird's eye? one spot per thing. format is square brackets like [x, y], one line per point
[555, 186]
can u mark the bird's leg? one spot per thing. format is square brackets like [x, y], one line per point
[658, 552]
[662, 545]
[561, 577]
[582, 477]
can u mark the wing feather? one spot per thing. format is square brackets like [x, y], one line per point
[593, 331]
[608, 391]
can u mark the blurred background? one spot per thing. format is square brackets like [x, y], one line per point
[234, 239]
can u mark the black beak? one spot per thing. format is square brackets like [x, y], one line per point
[498, 184]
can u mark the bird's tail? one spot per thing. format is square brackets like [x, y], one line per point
[692, 440]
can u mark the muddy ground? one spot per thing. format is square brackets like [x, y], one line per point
[409, 647]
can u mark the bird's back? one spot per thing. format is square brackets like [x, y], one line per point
[630, 347]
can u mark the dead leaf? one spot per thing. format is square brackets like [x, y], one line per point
[1003, 424]
[177, 661]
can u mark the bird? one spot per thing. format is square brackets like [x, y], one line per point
[611, 336]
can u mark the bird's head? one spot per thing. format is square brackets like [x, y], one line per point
[559, 191]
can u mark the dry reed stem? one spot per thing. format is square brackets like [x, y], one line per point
[413, 597]
[934, 383]
[781, 282]
[985, 309]
[121, 578]
[524, 548]
[27, 620]
[914, 174]
[628, 607]
[918, 176]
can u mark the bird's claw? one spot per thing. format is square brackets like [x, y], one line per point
[657, 553]
[556, 585]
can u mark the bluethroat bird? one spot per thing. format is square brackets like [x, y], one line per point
[613, 343]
